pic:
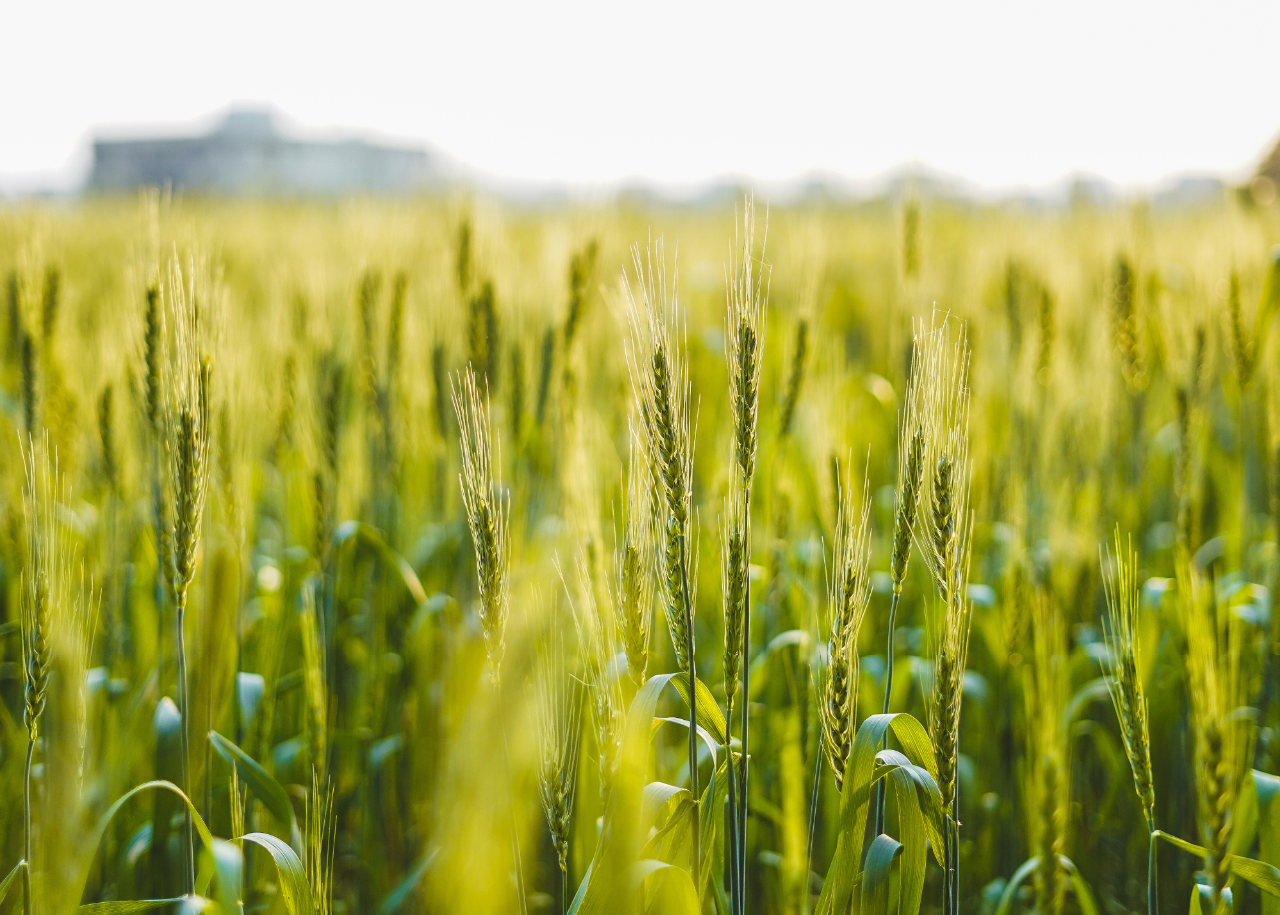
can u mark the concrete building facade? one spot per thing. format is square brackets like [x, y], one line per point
[248, 154]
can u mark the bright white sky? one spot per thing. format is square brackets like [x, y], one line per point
[1003, 93]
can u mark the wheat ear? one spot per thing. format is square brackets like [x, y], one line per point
[1124, 683]
[40, 577]
[559, 726]
[635, 561]
[795, 378]
[597, 642]
[914, 428]
[1219, 685]
[488, 509]
[321, 830]
[189, 439]
[747, 279]
[54, 619]
[658, 365]
[848, 596]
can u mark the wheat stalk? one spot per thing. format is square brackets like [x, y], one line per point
[315, 680]
[597, 642]
[1123, 596]
[733, 587]
[635, 560]
[945, 366]
[1047, 753]
[321, 840]
[747, 278]
[1124, 325]
[915, 421]
[44, 580]
[237, 803]
[488, 509]
[30, 384]
[559, 724]
[483, 317]
[1044, 356]
[911, 236]
[189, 442]
[51, 300]
[1219, 685]
[848, 596]
[56, 625]
[545, 365]
[1243, 346]
[1122, 589]
[795, 378]
[658, 366]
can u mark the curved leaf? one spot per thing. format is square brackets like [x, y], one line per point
[1084, 895]
[1262, 875]
[1201, 900]
[8, 881]
[405, 887]
[667, 840]
[759, 680]
[707, 739]
[709, 714]
[674, 894]
[100, 829]
[602, 877]
[656, 796]
[293, 876]
[1011, 888]
[876, 875]
[712, 814]
[260, 782]
[928, 795]
[359, 532]
[1095, 690]
[228, 866]
[1267, 788]
[913, 855]
[1176, 842]
[127, 906]
[582, 890]
[855, 799]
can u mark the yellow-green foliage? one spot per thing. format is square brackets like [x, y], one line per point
[363, 449]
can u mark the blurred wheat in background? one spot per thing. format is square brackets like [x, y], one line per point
[446, 556]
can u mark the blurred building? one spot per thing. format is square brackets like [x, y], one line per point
[249, 154]
[1270, 166]
[1267, 181]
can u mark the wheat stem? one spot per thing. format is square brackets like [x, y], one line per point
[27, 905]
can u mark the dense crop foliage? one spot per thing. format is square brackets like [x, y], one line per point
[360, 558]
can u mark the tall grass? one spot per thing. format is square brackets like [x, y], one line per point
[354, 656]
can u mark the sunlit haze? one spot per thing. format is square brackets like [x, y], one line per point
[1000, 93]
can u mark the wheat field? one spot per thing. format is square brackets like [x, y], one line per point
[358, 556]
